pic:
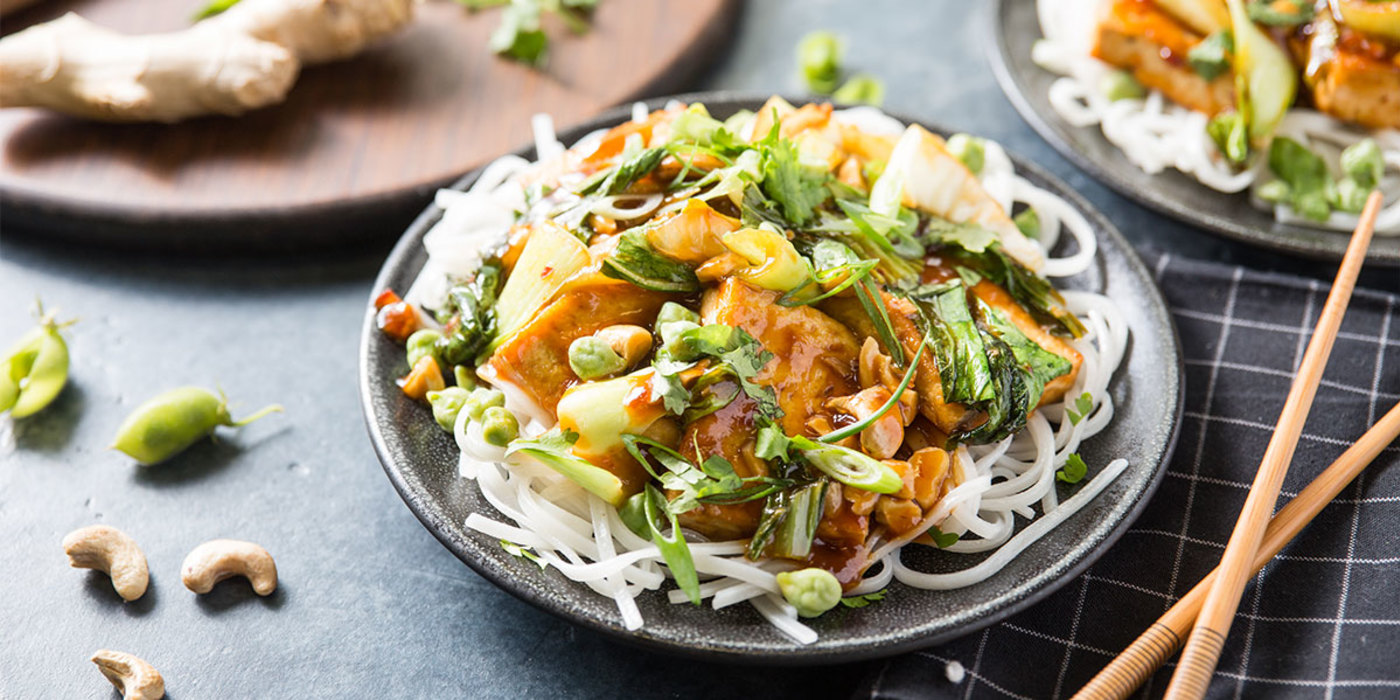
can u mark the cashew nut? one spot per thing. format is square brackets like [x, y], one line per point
[136, 679]
[111, 551]
[216, 560]
[631, 343]
[882, 438]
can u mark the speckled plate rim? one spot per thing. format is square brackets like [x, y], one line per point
[408, 251]
[1306, 242]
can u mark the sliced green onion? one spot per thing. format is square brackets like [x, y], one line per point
[875, 308]
[674, 549]
[553, 449]
[854, 428]
[856, 272]
[850, 467]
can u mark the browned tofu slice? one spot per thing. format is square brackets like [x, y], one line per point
[536, 357]
[1357, 87]
[999, 299]
[814, 355]
[1137, 36]
[814, 360]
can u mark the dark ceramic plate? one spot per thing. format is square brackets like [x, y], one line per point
[421, 461]
[1014, 28]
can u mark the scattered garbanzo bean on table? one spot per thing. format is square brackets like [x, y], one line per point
[166, 425]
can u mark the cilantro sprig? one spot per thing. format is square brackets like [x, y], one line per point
[1074, 470]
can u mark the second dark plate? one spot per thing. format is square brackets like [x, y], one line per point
[1013, 28]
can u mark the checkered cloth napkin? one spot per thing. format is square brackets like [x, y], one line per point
[1323, 619]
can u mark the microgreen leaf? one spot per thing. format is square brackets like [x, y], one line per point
[1083, 406]
[1074, 470]
[860, 601]
[943, 539]
[516, 550]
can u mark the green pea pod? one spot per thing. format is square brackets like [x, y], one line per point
[35, 370]
[169, 423]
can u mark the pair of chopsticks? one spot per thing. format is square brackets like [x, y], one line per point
[1206, 612]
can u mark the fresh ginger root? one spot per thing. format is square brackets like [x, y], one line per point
[245, 58]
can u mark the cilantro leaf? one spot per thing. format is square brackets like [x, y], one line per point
[1211, 57]
[943, 539]
[797, 189]
[735, 349]
[860, 601]
[519, 35]
[1074, 470]
[1278, 14]
[772, 442]
[1083, 406]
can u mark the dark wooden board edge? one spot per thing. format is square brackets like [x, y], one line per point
[286, 230]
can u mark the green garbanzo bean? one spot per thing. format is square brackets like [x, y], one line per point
[167, 424]
[35, 369]
[499, 426]
[422, 343]
[671, 311]
[463, 377]
[1121, 85]
[482, 399]
[447, 404]
[590, 357]
[969, 149]
[812, 591]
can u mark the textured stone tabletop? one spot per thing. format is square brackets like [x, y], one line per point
[369, 605]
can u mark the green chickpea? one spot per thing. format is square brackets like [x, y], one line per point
[590, 357]
[1028, 222]
[819, 57]
[1362, 161]
[1121, 85]
[1275, 191]
[482, 399]
[499, 426]
[812, 591]
[464, 377]
[35, 370]
[972, 151]
[167, 424]
[422, 342]
[1351, 196]
[674, 343]
[671, 311]
[446, 404]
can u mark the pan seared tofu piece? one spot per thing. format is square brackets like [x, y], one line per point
[999, 299]
[1137, 36]
[814, 359]
[536, 358]
[928, 383]
[1356, 86]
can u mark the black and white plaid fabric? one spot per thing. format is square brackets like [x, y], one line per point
[1323, 619]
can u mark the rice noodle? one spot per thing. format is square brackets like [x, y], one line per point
[1155, 133]
[585, 539]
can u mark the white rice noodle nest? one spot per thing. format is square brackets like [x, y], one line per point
[585, 540]
[1154, 133]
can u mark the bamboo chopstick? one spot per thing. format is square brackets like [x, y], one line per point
[1130, 669]
[1203, 647]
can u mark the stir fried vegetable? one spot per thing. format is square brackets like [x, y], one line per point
[773, 346]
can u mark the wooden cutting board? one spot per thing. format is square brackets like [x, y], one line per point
[357, 147]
